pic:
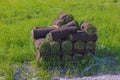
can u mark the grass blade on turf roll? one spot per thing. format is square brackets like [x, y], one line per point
[80, 47]
[68, 18]
[77, 58]
[55, 47]
[91, 30]
[44, 48]
[66, 46]
[90, 47]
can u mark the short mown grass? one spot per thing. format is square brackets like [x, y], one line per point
[18, 17]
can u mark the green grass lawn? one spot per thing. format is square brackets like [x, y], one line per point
[18, 17]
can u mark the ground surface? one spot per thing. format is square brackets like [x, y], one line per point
[18, 17]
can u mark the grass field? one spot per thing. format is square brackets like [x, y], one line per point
[18, 17]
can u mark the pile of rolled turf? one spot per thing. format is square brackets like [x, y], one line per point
[65, 37]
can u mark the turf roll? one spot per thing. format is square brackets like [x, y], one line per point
[55, 47]
[92, 38]
[66, 46]
[61, 33]
[61, 15]
[80, 47]
[77, 58]
[38, 42]
[66, 17]
[83, 36]
[66, 60]
[70, 24]
[91, 45]
[79, 35]
[45, 48]
[89, 28]
[58, 22]
[41, 32]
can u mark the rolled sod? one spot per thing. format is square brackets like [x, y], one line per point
[70, 24]
[41, 32]
[83, 25]
[45, 48]
[79, 45]
[83, 36]
[58, 22]
[66, 46]
[55, 47]
[89, 28]
[61, 33]
[91, 45]
[77, 58]
[66, 58]
[66, 17]
[79, 35]
[61, 15]
[38, 42]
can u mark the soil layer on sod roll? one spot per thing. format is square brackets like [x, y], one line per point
[61, 33]
[38, 42]
[55, 47]
[83, 36]
[58, 22]
[70, 24]
[45, 48]
[42, 32]
[66, 47]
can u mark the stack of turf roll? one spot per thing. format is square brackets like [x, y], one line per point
[65, 38]
[91, 33]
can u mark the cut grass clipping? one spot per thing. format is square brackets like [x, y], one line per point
[44, 48]
[66, 46]
[55, 47]
[91, 45]
[79, 45]
[90, 30]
